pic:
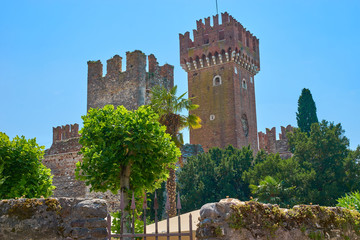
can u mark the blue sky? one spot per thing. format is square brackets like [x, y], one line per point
[44, 47]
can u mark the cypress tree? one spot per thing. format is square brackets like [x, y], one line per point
[306, 114]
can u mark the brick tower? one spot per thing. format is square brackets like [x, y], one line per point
[221, 63]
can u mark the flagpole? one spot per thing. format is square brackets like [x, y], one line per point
[217, 11]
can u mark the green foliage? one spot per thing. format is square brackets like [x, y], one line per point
[169, 106]
[321, 170]
[350, 201]
[121, 146]
[161, 196]
[287, 174]
[324, 151]
[138, 222]
[209, 177]
[306, 114]
[21, 170]
[271, 191]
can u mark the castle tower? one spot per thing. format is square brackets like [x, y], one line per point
[221, 63]
[129, 88]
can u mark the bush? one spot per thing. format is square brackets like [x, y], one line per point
[350, 201]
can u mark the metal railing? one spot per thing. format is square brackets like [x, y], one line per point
[144, 235]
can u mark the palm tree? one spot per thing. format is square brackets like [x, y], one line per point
[270, 190]
[169, 108]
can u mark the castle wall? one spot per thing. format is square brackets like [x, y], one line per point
[221, 63]
[269, 143]
[130, 88]
[61, 158]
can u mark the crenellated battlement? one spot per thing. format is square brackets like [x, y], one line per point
[134, 60]
[129, 88]
[269, 143]
[66, 132]
[218, 44]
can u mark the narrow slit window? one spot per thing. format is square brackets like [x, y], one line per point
[244, 86]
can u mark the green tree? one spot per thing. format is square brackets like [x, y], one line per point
[271, 191]
[325, 151]
[21, 170]
[211, 176]
[306, 114]
[169, 108]
[126, 150]
[293, 179]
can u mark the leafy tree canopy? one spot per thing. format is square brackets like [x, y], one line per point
[270, 172]
[169, 107]
[271, 191]
[325, 151]
[21, 170]
[211, 176]
[286, 174]
[306, 114]
[124, 150]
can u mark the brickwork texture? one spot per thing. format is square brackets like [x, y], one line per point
[221, 63]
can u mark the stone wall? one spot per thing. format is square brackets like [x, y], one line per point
[62, 167]
[130, 88]
[269, 143]
[233, 219]
[53, 219]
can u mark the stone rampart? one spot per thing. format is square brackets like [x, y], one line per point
[62, 167]
[130, 88]
[53, 219]
[233, 219]
[269, 143]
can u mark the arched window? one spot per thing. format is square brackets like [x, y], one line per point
[244, 86]
[217, 80]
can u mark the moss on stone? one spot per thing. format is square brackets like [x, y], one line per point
[314, 221]
[24, 209]
[52, 205]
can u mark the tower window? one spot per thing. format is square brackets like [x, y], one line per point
[236, 70]
[206, 39]
[221, 35]
[244, 86]
[251, 79]
[217, 80]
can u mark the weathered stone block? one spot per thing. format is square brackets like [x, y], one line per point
[91, 208]
[98, 233]
[52, 219]
[79, 232]
[96, 223]
[233, 219]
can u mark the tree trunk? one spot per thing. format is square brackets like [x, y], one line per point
[171, 191]
[125, 186]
